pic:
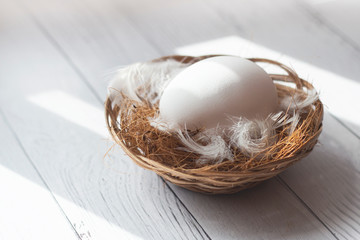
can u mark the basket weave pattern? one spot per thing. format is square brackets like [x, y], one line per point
[216, 179]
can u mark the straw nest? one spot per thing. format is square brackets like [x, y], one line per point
[163, 153]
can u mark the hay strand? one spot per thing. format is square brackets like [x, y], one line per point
[164, 152]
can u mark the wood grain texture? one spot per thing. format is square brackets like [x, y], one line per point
[68, 49]
[28, 209]
[60, 124]
[282, 204]
[321, 179]
[339, 16]
[328, 180]
[299, 39]
[268, 211]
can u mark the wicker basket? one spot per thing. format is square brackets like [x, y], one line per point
[212, 179]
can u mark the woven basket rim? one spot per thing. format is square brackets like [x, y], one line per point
[207, 178]
[300, 83]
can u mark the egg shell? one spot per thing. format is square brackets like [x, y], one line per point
[208, 92]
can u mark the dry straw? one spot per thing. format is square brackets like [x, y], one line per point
[162, 152]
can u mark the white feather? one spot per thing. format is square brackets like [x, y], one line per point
[251, 137]
[146, 81]
[293, 103]
[209, 144]
[143, 80]
[162, 125]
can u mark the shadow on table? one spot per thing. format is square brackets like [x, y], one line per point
[326, 182]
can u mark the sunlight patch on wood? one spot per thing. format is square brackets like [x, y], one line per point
[72, 109]
[339, 94]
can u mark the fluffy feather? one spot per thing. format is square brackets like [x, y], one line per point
[296, 102]
[251, 137]
[143, 81]
[146, 81]
[209, 144]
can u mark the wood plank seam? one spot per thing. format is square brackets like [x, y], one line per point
[324, 23]
[306, 205]
[54, 42]
[345, 126]
[93, 91]
[65, 56]
[237, 28]
[150, 41]
[317, 17]
[182, 203]
[37, 171]
[83, 78]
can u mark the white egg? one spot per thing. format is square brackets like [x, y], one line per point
[208, 92]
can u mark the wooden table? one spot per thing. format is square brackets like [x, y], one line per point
[56, 57]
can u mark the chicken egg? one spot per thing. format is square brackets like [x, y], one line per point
[211, 91]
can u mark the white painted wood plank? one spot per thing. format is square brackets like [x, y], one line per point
[332, 162]
[115, 37]
[60, 124]
[292, 35]
[106, 35]
[280, 205]
[295, 36]
[28, 210]
[267, 211]
[342, 17]
[328, 180]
